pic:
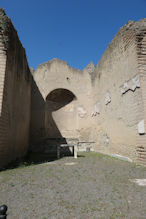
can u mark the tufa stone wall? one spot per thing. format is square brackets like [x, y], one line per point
[141, 55]
[61, 102]
[120, 91]
[108, 108]
[15, 87]
[104, 107]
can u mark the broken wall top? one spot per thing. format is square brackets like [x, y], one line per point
[135, 30]
[4, 27]
[7, 30]
[136, 26]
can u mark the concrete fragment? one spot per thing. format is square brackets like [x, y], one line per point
[140, 182]
[107, 98]
[141, 128]
[136, 82]
[96, 109]
[82, 112]
[132, 84]
[121, 157]
[70, 164]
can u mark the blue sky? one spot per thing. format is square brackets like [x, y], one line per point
[77, 31]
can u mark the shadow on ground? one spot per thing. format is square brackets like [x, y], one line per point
[35, 159]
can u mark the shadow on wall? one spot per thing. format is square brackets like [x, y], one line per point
[56, 100]
[45, 136]
[14, 99]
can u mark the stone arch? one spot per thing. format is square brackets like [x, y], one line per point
[59, 88]
[60, 114]
[60, 97]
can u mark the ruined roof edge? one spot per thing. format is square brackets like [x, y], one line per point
[48, 63]
[6, 26]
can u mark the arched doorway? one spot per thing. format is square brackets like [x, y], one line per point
[60, 114]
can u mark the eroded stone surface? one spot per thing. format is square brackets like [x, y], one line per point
[64, 99]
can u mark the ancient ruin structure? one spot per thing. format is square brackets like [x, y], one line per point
[104, 107]
[15, 93]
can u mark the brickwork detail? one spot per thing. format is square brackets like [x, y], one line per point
[141, 56]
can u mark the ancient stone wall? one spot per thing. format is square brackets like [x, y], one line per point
[103, 106]
[109, 104]
[15, 84]
[65, 100]
[119, 94]
[141, 54]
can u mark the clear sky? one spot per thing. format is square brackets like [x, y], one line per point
[77, 31]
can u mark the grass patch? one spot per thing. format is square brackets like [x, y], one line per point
[100, 156]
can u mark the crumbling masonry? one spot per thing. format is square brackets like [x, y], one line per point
[104, 107]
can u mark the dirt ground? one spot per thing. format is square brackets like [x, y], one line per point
[92, 186]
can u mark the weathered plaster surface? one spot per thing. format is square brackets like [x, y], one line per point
[72, 119]
[103, 106]
[120, 84]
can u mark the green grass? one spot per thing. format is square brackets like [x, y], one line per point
[96, 154]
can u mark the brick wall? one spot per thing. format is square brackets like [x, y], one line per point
[15, 86]
[141, 54]
[119, 78]
[3, 122]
